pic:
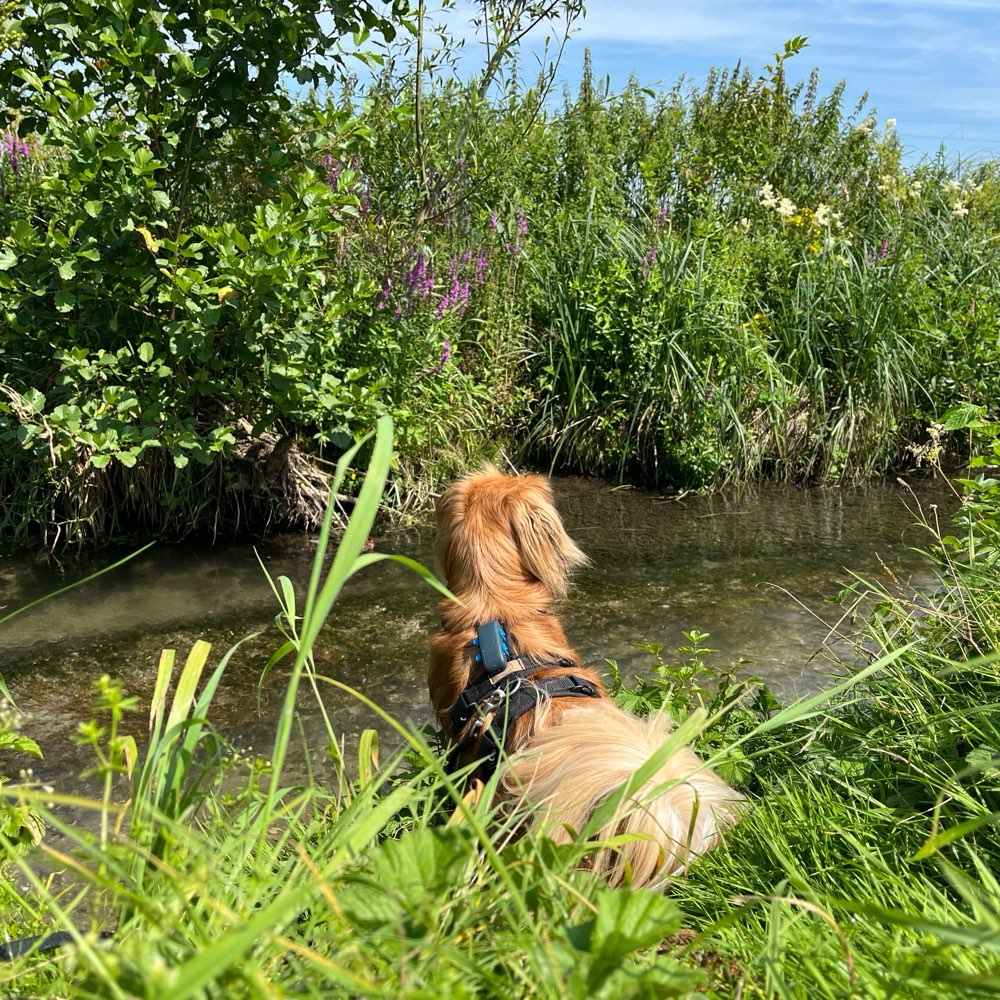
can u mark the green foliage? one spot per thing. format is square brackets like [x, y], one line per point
[144, 318]
[210, 288]
[21, 826]
[977, 545]
[726, 281]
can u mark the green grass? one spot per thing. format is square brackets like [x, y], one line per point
[867, 865]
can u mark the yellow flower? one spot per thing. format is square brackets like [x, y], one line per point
[759, 323]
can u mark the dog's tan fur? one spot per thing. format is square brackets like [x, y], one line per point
[505, 554]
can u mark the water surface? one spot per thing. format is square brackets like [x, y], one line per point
[755, 570]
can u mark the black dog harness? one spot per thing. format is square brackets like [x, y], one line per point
[496, 703]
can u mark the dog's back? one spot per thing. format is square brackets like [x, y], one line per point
[506, 556]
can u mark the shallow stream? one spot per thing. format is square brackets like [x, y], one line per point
[755, 570]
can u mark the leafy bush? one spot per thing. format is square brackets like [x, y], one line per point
[146, 318]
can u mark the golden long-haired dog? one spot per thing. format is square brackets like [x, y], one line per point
[567, 747]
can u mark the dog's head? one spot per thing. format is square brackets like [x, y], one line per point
[497, 533]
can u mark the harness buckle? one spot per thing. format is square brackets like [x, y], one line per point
[490, 705]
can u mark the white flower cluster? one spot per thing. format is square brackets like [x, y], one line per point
[957, 193]
[821, 225]
[867, 126]
[826, 218]
[769, 198]
[960, 193]
[900, 187]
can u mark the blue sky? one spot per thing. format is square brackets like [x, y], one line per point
[933, 65]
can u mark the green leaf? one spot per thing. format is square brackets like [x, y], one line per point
[99, 461]
[19, 744]
[7, 259]
[423, 864]
[67, 270]
[65, 301]
[965, 416]
[935, 842]
[146, 351]
[626, 920]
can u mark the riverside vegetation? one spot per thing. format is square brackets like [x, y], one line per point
[866, 865]
[209, 289]
[213, 279]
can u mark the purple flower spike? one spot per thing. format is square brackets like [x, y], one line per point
[419, 280]
[334, 168]
[482, 260]
[16, 150]
[883, 250]
[648, 260]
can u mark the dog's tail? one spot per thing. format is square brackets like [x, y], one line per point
[571, 767]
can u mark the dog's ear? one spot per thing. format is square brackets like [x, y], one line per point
[547, 552]
[454, 553]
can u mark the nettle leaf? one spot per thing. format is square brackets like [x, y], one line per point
[412, 878]
[21, 827]
[19, 744]
[626, 920]
[366, 905]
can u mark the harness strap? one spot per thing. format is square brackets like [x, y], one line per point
[516, 699]
[468, 701]
[498, 700]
